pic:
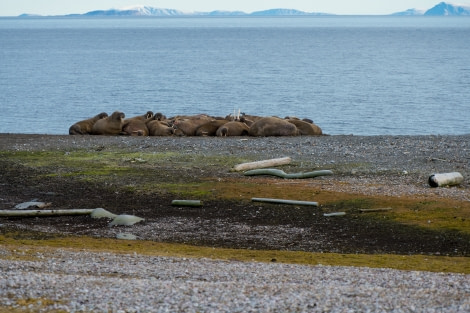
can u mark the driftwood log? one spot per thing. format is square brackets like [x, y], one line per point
[281, 173]
[334, 214]
[445, 179]
[284, 201]
[374, 210]
[193, 203]
[261, 164]
[26, 213]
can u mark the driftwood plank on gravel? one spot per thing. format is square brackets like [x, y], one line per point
[25, 213]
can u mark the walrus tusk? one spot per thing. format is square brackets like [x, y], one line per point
[281, 173]
[260, 164]
[19, 213]
[284, 201]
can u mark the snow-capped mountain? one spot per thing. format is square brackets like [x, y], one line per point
[410, 12]
[151, 11]
[146, 10]
[440, 9]
[136, 11]
[445, 9]
[284, 12]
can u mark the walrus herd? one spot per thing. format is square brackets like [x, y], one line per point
[150, 124]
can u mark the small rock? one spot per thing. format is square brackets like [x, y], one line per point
[100, 213]
[126, 236]
[32, 204]
[125, 220]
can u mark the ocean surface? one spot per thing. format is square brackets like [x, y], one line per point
[361, 75]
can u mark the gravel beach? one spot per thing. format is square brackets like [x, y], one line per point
[395, 165]
[102, 282]
[83, 281]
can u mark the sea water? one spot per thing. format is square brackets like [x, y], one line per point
[357, 75]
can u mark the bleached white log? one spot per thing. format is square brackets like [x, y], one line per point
[261, 164]
[284, 201]
[445, 179]
[26, 213]
[334, 214]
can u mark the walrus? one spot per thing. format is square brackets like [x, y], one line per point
[111, 125]
[134, 127]
[188, 125]
[137, 125]
[272, 126]
[233, 129]
[210, 128]
[159, 128]
[159, 116]
[84, 127]
[306, 128]
[143, 117]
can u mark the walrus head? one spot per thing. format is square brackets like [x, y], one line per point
[102, 115]
[149, 114]
[118, 116]
[159, 116]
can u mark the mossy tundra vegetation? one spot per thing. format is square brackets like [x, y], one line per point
[411, 233]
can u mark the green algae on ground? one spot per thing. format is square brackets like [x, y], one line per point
[20, 247]
[170, 172]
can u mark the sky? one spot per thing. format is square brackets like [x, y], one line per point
[347, 7]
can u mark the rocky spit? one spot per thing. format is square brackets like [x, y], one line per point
[83, 281]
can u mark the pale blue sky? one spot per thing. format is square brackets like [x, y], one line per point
[58, 7]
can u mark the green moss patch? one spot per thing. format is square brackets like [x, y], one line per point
[25, 249]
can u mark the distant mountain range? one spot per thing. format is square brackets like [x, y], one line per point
[149, 11]
[441, 9]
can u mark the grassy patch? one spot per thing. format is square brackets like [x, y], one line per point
[171, 172]
[26, 249]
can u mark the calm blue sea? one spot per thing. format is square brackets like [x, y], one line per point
[357, 75]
